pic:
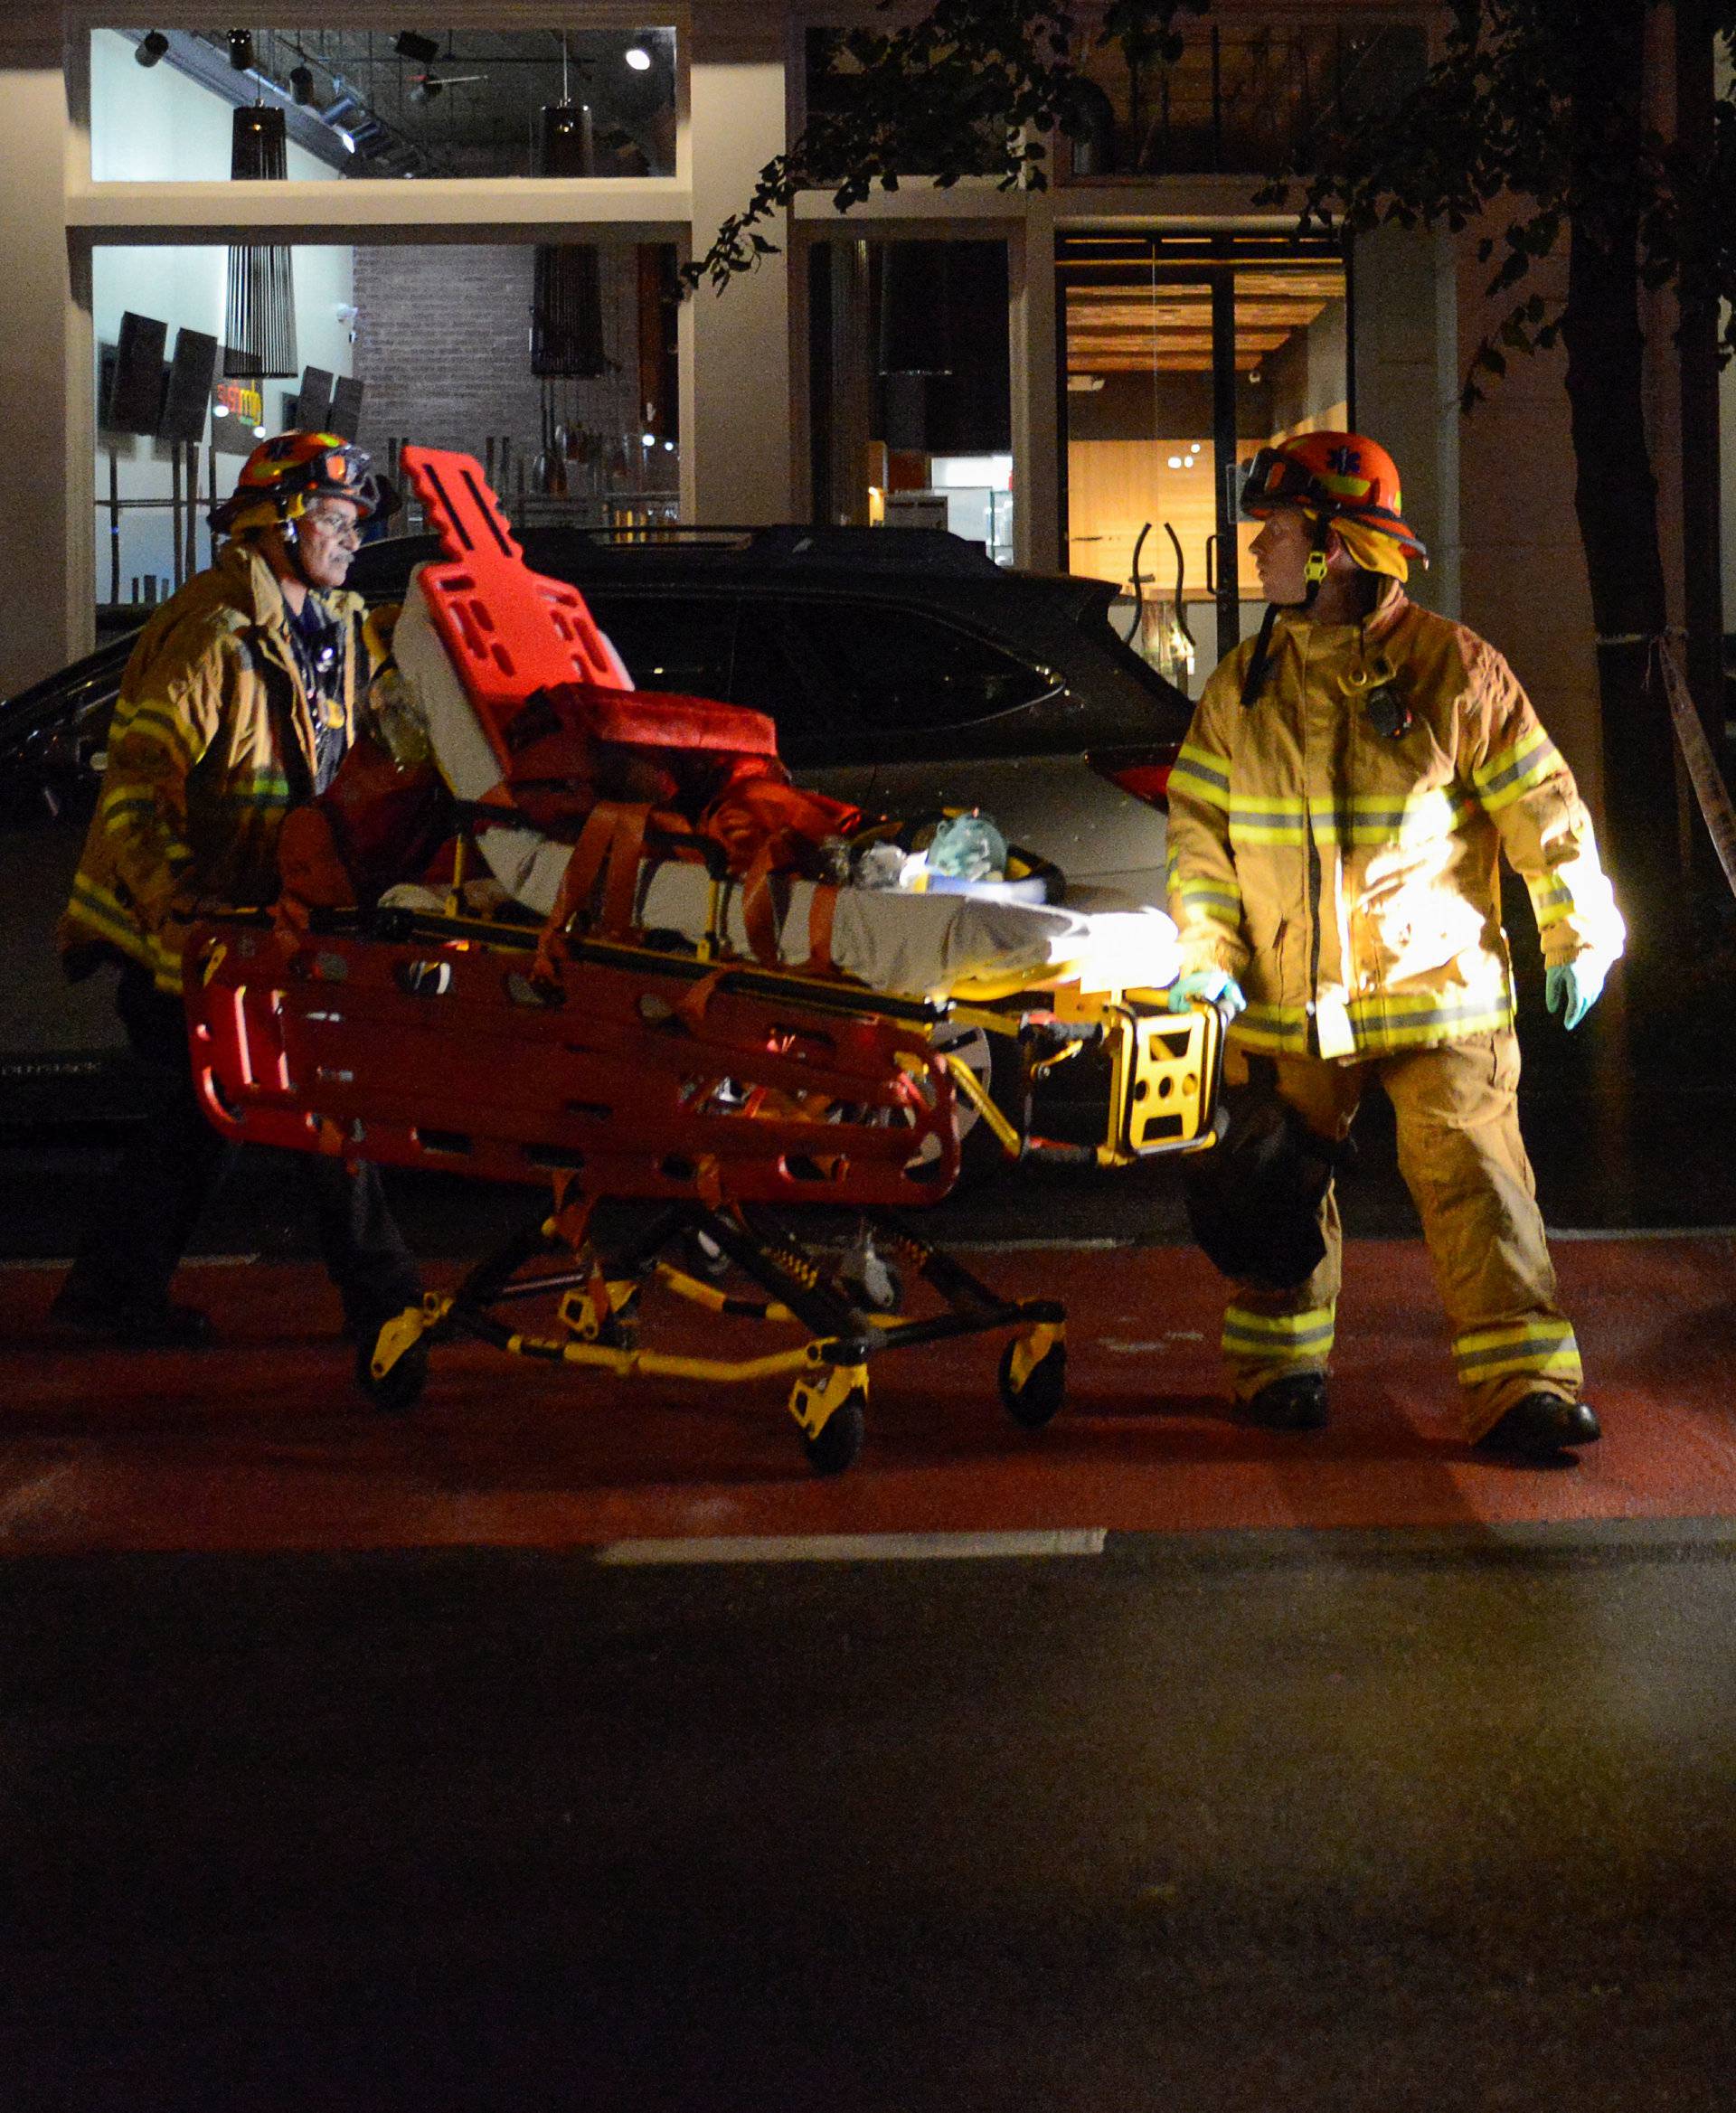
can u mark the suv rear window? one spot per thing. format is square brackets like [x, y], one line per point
[900, 671]
[670, 641]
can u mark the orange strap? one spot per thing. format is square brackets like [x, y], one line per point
[614, 836]
[621, 888]
[572, 1209]
[290, 921]
[759, 908]
[691, 1010]
[821, 912]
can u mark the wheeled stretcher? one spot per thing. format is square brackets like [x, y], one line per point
[617, 1061]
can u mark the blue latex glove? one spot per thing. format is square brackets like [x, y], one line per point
[1215, 987]
[1573, 988]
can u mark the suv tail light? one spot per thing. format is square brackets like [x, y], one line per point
[1143, 771]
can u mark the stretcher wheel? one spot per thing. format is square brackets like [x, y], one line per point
[401, 1388]
[840, 1442]
[1035, 1401]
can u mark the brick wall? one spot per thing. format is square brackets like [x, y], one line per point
[442, 347]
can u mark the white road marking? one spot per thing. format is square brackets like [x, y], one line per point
[856, 1547]
[1053, 1241]
[192, 1263]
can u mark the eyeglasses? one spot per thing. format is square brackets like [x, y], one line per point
[338, 526]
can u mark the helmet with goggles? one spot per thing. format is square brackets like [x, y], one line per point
[1332, 476]
[284, 476]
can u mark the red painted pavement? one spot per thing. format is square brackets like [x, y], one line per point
[262, 1443]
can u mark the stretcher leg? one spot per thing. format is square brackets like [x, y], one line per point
[599, 1297]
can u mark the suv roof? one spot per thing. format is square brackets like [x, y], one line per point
[926, 560]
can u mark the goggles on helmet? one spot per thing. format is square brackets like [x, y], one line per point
[283, 476]
[1337, 477]
[1276, 478]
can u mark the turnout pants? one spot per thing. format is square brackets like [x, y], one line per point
[1465, 1164]
[150, 1204]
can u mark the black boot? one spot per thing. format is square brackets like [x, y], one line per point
[1543, 1427]
[133, 1324]
[1296, 1403]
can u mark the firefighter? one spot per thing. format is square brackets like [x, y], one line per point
[1350, 779]
[238, 701]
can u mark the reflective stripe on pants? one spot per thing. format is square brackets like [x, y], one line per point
[1465, 1164]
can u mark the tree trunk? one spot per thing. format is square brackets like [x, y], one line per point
[1616, 492]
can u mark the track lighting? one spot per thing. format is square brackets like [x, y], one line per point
[240, 49]
[150, 47]
[301, 84]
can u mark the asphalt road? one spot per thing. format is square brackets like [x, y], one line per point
[1326, 1820]
[1339, 1821]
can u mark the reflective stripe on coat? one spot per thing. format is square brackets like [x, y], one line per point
[1349, 879]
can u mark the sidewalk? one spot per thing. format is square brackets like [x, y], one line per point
[262, 1443]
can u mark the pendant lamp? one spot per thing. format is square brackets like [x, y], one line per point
[566, 297]
[259, 309]
[915, 309]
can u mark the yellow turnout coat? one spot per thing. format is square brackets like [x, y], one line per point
[1347, 875]
[212, 741]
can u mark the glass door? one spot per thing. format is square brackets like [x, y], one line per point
[1181, 356]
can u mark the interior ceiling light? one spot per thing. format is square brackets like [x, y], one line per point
[409, 44]
[566, 296]
[637, 58]
[150, 47]
[260, 305]
[240, 49]
[301, 84]
[915, 309]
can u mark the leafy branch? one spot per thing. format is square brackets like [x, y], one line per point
[968, 90]
[1517, 109]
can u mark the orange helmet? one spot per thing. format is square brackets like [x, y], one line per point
[284, 475]
[1335, 477]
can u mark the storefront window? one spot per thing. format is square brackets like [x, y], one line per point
[1183, 355]
[1245, 97]
[909, 379]
[439, 102]
[173, 429]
